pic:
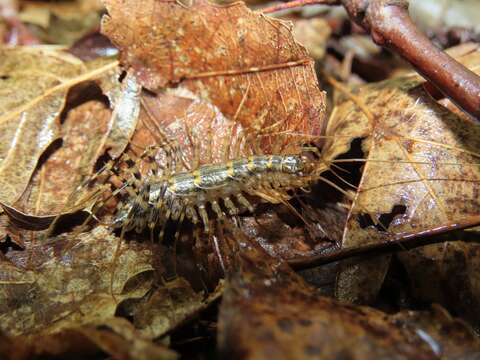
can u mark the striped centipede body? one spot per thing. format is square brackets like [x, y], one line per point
[220, 187]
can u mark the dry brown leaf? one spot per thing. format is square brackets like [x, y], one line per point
[58, 285]
[87, 132]
[194, 124]
[421, 170]
[270, 312]
[449, 338]
[454, 266]
[244, 63]
[82, 134]
[35, 83]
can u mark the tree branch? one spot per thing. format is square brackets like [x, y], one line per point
[297, 4]
[390, 26]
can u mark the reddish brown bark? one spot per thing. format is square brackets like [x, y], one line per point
[390, 26]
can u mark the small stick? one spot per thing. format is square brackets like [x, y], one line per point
[390, 26]
[297, 4]
[400, 242]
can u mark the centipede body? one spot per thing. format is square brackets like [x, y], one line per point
[220, 188]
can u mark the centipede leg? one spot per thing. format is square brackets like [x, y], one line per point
[244, 202]
[217, 209]
[204, 216]
[231, 208]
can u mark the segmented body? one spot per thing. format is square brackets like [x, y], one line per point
[220, 187]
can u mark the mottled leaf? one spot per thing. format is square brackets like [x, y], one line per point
[269, 312]
[60, 284]
[421, 170]
[61, 22]
[35, 83]
[86, 132]
[170, 306]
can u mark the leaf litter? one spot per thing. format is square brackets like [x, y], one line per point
[193, 89]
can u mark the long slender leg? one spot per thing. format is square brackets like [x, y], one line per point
[231, 208]
[217, 209]
[204, 216]
[114, 261]
[244, 202]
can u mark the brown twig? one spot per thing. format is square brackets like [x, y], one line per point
[399, 242]
[390, 26]
[297, 4]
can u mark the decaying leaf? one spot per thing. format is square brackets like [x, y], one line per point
[313, 34]
[247, 65]
[34, 84]
[53, 183]
[198, 127]
[269, 312]
[421, 170]
[61, 22]
[170, 306]
[60, 284]
[115, 337]
[41, 113]
[448, 337]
